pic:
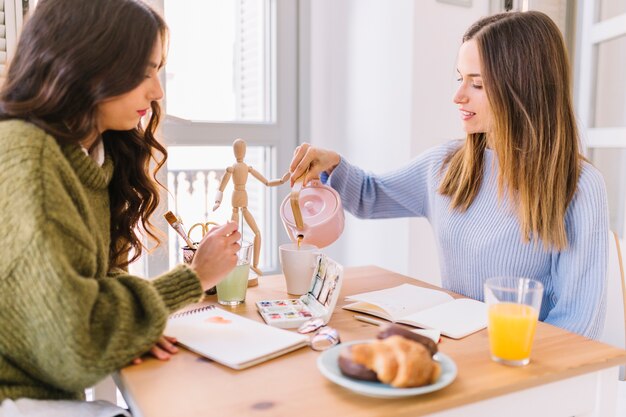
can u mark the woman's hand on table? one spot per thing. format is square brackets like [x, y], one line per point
[162, 350]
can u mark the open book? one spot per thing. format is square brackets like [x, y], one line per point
[230, 339]
[423, 307]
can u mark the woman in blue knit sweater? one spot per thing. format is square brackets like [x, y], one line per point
[516, 197]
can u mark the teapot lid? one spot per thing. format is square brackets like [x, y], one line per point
[317, 205]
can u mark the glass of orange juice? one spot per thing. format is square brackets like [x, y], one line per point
[513, 310]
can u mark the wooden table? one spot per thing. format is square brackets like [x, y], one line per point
[568, 375]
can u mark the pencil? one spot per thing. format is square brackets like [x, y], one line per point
[370, 320]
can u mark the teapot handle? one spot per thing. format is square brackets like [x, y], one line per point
[295, 202]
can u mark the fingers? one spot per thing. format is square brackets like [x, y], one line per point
[166, 343]
[225, 239]
[311, 162]
[228, 230]
[300, 163]
[298, 153]
[313, 173]
[163, 349]
[160, 353]
[232, 237]
[216, 254]
[303, 161]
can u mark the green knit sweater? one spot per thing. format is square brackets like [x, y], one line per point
[65, 322]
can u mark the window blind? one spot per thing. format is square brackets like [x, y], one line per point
[250, 71]
[10, 24]
[250, 65]
[3, 39]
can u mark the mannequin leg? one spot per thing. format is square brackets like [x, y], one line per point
[257, 239]
[235, 216]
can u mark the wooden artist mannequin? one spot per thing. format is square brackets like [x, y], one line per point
[239, 172]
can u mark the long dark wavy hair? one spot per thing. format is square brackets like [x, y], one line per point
[72, 56]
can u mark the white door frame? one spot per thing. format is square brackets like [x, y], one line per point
[591, 35]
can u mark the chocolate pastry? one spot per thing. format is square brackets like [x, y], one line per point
[355, 370]
[393, 329]
[397, 358]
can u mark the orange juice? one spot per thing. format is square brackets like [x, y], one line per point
[511, 331]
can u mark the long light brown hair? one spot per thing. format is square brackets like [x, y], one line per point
[72, 56]
[526, 76]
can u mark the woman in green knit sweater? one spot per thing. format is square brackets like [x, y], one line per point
[75, 187]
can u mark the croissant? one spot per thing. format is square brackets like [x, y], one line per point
[395, 360]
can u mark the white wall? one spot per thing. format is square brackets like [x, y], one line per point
[382, 74]
[438, 32]
[361, 54]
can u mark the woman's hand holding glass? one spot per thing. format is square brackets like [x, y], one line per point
[311, 162]
[216, 255]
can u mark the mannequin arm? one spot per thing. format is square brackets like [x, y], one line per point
[271, 183]
[226, 178]
[220, 191]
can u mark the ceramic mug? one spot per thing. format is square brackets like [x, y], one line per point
[298, 264]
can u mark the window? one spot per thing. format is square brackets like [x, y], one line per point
[230, 73]
[10, 23]
[194, 174]
[601, 97]
[221, 51]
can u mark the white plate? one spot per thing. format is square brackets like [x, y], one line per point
[328, 364]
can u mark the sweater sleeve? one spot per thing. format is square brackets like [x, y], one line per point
[579, 271]
[404, 192]
[65, 323]
[70, 330]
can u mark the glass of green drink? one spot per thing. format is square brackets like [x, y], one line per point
[231, 291]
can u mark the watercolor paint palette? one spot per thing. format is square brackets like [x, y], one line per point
[320, 301]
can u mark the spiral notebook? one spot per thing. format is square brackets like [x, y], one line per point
[230, 339]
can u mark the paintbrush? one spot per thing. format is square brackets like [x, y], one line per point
[177, 225]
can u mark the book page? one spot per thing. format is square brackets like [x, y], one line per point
[456, 319]
[368, 308]
[399, 301]
[230, 339]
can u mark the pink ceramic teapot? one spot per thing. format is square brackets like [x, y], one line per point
[313, 213]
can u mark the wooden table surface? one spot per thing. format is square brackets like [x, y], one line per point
[291, 385]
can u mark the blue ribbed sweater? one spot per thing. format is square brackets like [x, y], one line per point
[486, 240]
